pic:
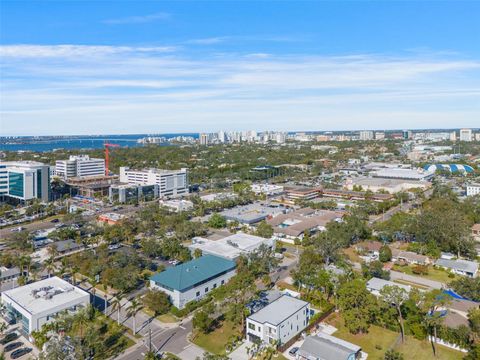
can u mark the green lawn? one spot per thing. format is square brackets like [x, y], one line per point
[379, 340]
[167, 318]
[433, 274]
[216, 340]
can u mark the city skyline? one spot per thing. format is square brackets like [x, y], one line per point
[185, 67]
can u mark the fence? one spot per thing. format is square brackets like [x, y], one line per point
[283, 347]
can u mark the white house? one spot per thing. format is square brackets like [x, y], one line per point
[279, 321]
[194, 279]
[375, 285]
[37, 304]
[460, 267]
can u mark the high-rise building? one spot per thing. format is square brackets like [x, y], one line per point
[80, 166]
[465, 134]
[221, 136]
[407, 134]
[379, 135]
[170, 182]
[280, 138]
[453, 136]
[203, 139]
[366, 135]
[25, 180]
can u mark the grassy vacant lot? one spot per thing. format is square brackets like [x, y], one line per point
[216, 340]
[352, 255]
[379, 340]
[433, 274]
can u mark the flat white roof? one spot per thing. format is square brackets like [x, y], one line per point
[231, 246]
[45, 294]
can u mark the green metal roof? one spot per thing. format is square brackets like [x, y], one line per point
[187, 275]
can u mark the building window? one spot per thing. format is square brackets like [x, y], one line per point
[214, 286]
[251, 326]
[223, 282]
[198, 293]
[206, 289]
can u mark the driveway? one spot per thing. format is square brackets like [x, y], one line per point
[396, 275]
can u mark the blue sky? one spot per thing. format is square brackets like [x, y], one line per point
[75, 67]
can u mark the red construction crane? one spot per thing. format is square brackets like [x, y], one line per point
[107, 159]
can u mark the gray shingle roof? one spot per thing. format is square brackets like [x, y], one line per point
[327, 347]
[460, 265]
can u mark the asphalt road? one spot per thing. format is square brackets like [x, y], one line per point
[172, 339]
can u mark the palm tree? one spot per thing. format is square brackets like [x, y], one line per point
[74, 271]
[82, 320]
[49, 266]
[116, 304]
[133, 310]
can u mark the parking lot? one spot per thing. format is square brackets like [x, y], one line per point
[18, 343]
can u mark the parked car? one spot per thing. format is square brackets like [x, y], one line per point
[8, 338]
[293, 351]
[55, 221]
[20, 352]
[18, 229]
[114, 246]
[13, 346]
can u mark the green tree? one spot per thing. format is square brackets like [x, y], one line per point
[474, 323]
[393, 355]
[385, 254]
[357, 305]
[202, 321]
[132, 312]
[264, 230]
[197, 253]
[217, 221]
[395, 296]
[430, 303]
[157, 301]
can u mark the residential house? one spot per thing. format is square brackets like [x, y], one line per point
[327, 347]
[409, 257]
[375, 285]
[9, 274]
[369, 247]
[279, 321]
[460, 267]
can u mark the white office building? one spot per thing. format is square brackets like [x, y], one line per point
[25, 180]
[231, 247]
[473, 189]
[466, 135]
[366, 135]
[80, 166]
[171, 183]
[279, 321]
[194, 279]
[38, 303]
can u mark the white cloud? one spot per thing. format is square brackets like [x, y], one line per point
[208, 41]
[98, 89]
[70, 51]
[141, 19]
